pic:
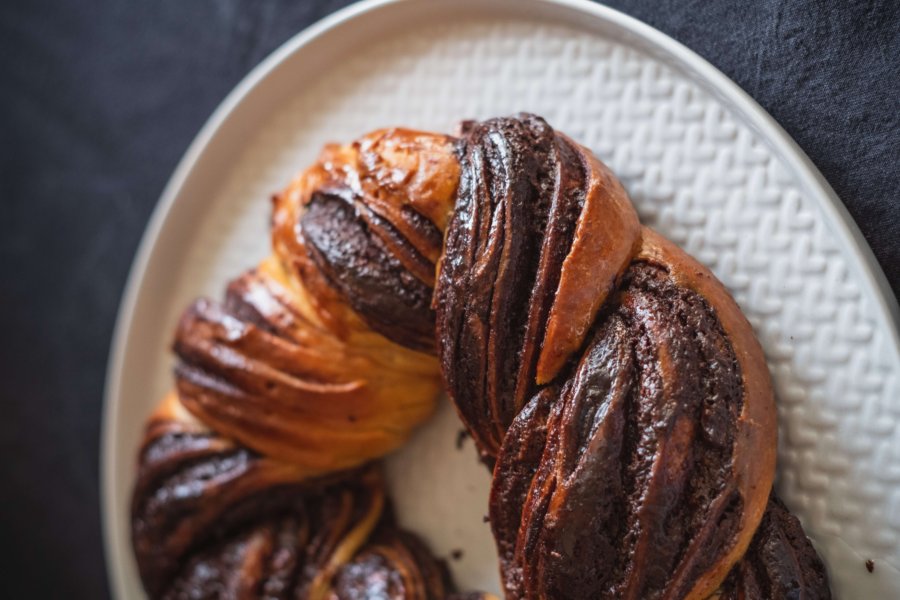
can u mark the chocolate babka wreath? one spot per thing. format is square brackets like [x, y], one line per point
[607, 378]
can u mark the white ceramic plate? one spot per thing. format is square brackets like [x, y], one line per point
[703, 163]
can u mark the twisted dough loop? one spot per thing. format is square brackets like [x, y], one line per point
[193, 483]
[540, 234]
[780, 563]
[652, 450]
[290, 366]
[609, 379]
[319, 361]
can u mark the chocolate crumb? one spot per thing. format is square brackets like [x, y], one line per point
[456, 554]
[461, 438]
[465, 126]
[486, 519]
[870, 565]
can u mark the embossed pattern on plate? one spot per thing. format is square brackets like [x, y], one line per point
[698, 169]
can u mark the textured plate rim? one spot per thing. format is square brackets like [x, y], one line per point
[850, 239]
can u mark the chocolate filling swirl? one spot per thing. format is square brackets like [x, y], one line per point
[631, 493]
[608, 378]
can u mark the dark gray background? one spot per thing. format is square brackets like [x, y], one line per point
[98, 101]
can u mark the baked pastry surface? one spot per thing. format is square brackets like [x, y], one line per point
[609, 380]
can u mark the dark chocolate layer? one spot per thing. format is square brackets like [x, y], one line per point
[781, 563]
[514, 472]
[192, 488]
[520, 194]
[395, 565]
[631, 493]
[260, 562]
[212, 520]
[368, 272]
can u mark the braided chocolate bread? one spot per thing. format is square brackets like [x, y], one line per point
[607, 378]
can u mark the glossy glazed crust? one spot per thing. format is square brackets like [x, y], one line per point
[362, 230]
